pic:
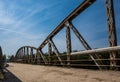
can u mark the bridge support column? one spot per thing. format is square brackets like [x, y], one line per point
[31, 55]
[38, 57]
[27, 55]
[49, 52]
[21, 54]
[24, 55]
[111, 31]
[68, 42]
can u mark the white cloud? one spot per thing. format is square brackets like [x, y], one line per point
[17, 26]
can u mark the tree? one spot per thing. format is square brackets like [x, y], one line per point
[4, 57]
[12, 58]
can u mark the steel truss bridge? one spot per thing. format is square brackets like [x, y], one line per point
[102, 58]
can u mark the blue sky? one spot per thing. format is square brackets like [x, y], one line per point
[29, 22]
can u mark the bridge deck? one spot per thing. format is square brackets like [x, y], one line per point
[37, 73]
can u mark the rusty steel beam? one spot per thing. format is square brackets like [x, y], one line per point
[49, 52]
[24, 51]
[79, 36]
[24, 54]
[21, 52]
[25, 46]
[85, 44]
[27, 55]
[27, 52]
[111, 30]
[43, 58]
[31, 55]
[55, 50]
[68, 41]
[70, 17]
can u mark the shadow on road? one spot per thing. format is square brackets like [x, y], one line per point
[10, 77]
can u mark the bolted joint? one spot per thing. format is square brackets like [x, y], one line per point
[67, 24]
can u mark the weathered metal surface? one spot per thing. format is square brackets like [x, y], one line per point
[97, 61]
[70, 17]
[23, 47]
[68, 41]
[86, 45]
[49, 52]
[111, 30]
[43, 58]
[56, 51]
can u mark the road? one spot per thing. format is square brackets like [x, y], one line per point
[38, 73]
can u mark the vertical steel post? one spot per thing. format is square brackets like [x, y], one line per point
[21, 53]
[27, 55]
[68, 42]
[49, 52]
[24, 55]
[37, 57]
[86, 45]
[31, 55]
[111, 31]
[24, 51]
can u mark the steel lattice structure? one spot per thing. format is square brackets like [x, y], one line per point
[27, 55]
[111, 30]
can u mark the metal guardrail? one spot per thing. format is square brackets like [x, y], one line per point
[93, 51]
[77, 62]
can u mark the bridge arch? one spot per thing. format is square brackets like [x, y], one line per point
[29, 54]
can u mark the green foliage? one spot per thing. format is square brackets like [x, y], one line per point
[12, 58]
[4, 57]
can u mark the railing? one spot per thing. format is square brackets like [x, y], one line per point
[77, 59]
